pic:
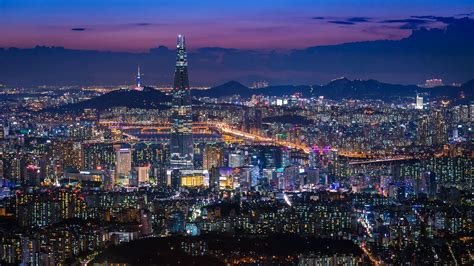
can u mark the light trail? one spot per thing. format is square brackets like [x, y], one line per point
[287, 199]
[394, 159]
[452, 254]
[254, 137]
[369, 254]
[207, 127]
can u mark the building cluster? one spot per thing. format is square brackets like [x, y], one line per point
[393, 178]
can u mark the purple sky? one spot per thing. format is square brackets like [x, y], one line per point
[138, 25]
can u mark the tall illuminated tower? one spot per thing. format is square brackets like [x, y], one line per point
[139, 79]
[181, 140]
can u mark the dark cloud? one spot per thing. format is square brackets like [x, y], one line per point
[142, 24]
[358, 19]
[446, 53]
[447, 20]
[466, 14]
[341, 22]
[78, 29]
[344, 21]
[261, 29]
[411, 26]
[410, 23]
[407, 20]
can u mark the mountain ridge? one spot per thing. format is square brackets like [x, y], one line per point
[341, 88]
[149, 98]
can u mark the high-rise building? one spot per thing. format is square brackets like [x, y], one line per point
[213, 157]
[124, 161]
[258, 120]
[440, 129]
[423, 131]
[143, 173]
[270, 156]
[67, 154]
[181, 121]
[419, 102]
[4, 130]
[432, 184]
[214, 179]
[236, 160]
[98, 155]
[245, 120]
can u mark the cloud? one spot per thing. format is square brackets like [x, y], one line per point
[271, 29]
[409, 23]
[447, 20]
[466, 14]
[341, 22]
[78, 29]
[113, 27]
[142, 24]
[344, 21]
[358, 19]
[306, 65]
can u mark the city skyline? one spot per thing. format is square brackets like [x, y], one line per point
[304, 132]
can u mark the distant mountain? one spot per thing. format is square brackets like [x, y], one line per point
[226, 89]
[286, 90]
[343, 88]
[149, 98]
[236, 88]
[363, 89]
[372, 89]
[463, 93]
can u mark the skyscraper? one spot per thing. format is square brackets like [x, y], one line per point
[123, 161]
[213, 157]
[245, 120]
[139, 80]
[181, 121]
[419, 102]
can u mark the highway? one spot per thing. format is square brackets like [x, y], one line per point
[384, 160]
[225, 129]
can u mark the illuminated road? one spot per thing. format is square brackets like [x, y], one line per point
[384, 160]
[206, 127]
[369, 254]
[257, 138]
[131, 137]
[452, 254]
[223, 128]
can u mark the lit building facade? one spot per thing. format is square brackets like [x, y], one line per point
[124, 161]
[181, 120]
[213, 157]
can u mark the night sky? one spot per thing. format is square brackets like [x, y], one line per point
[138, 25]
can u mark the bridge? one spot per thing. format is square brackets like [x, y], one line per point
[142, 129]
[218, 131]
[402, 158]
